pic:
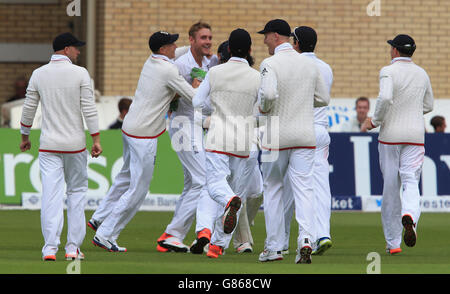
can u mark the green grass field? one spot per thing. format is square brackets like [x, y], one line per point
[355, 235]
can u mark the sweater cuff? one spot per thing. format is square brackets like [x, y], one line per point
[95, 134]
[374, 124]
[25, 129]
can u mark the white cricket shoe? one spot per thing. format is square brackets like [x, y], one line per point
[267, 255]
[173, 244]
[244, 248]
[105, 244]
[75, 255]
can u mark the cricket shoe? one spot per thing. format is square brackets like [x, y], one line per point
[214, 251]
[203, 238]
[410, 235]
[173, 244]
[285, 251]
[323, 244]
[162, 237]
[119, 249]
[49, 258]
[244, 248]
[93, 224]
[230, 216]
[393, 251]
[105, 244]
[267, 255]
[75, 255]
[304, 254]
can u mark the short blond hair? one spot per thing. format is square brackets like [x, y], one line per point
[197, 27]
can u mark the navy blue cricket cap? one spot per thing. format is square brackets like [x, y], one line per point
[239, 41]
[65, 40]
[278, 26]
[306, 37]
[403, 43]
[159, 39]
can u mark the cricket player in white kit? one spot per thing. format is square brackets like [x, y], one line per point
[194, 201]
[144, 123]
[231, 89]
[66, 94]
[405, 96]
[291, 86]
[305, 39]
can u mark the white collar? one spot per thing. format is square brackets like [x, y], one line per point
[283, 47]
[309, 54]
[59, 57]
[408, 59]
[238, 59]
[205, 60]
[164, 57]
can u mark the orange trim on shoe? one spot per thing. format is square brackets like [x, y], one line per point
[161, 249]
[164, 236]
[396, 250]
[214, 251]
[205, 233]
[49, 258]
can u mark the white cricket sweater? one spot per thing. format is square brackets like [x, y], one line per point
[291, 86]
[321, 113]
[233, 93]
[185, 64]
[157, 86]
[66, 94]
[405, 96]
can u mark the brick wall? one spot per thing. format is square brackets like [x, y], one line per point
[28, 23]
[353, 43]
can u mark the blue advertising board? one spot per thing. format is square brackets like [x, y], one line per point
[355, 168]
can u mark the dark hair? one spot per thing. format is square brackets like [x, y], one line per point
[250, 60]
[223, 51]
[197, 27]
[124, 103]
[362, 99]
[403, 54]
[437, 121]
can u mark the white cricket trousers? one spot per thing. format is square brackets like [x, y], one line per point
[225, 179]
[194, 201]
[322, 193]
[401, 166]
[253, 192]
[58, 170]
[130, 187]
[297, 165]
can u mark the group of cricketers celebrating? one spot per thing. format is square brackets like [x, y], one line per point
[278, 157]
